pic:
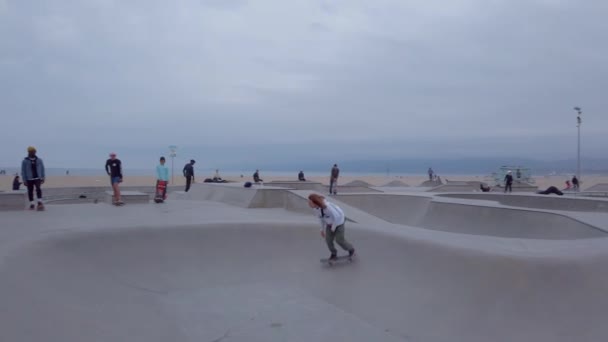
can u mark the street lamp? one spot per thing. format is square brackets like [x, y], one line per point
[579, 121]
[173, 154]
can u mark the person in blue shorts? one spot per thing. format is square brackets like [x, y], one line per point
[114, 170]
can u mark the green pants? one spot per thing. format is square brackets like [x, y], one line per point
[337, 235]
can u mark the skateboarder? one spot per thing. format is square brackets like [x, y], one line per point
[33, 173]
[162, 175]
[189, 173]
[333, 180]
[332, 224]
[508, 182]
[114, 170]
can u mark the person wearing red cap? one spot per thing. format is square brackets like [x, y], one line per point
[33, 173]
[114, 170]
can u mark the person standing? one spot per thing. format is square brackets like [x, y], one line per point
[332, 224]
[333, 180]
[189, 173]
[162, 175]
[508, 182]
[431, 173]
[114, 170]
[33, 174]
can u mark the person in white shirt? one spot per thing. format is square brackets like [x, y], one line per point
[332, 224]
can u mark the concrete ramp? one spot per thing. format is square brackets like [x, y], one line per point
[601, 187]
[538, 201]
[257, 196]
[13, 200]
[472, 218]
[263, 282]
[297, 185]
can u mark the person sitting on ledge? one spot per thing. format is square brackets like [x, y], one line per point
[256, 177]
[216, 177]
[484, 187]
[301, 176]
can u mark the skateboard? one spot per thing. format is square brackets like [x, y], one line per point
[161, 191]
[339, 259]
[118, 204]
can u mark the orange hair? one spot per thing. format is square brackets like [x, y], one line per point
[317, 199]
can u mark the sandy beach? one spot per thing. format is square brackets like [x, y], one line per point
[412, 180]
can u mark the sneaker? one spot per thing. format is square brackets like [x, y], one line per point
[40, 206]
[351, 253]
[333, 257]
[32, 207]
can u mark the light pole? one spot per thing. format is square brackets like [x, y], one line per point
[173, 150]
[579, 121]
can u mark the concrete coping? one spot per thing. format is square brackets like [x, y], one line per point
[128, 197]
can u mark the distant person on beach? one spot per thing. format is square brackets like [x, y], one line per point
[484, 187]
[332, 224]
[33, 174]
[114, 170]
[189, 174]
[301, 176]
[518, 173]
[568, 185]
[16, 182]
[575, 183]
[431, 173]
[256, 177]
[67, 172]
[508, 182]
[333, 180]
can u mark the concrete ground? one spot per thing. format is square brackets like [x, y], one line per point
[224, 263]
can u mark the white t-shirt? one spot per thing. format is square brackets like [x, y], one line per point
[331, 215]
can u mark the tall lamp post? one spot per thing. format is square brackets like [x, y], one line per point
[579, 121]
[173, 154]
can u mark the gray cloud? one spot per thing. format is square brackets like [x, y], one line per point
[389, 78]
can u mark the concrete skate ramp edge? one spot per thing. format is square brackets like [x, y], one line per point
[264, 282]
[539, 201]
[425, 212]
[237, 195]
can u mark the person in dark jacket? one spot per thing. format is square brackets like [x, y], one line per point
[16, 183]
[114, 170]
[256, 177]
[333, 180]
[189, 173]
[575, 183]
[33, 173]
[301, 176]
[509, 182]
[551, 190]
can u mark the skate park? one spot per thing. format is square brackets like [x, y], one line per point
[228, 263]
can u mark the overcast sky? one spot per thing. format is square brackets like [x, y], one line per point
[232, 79]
